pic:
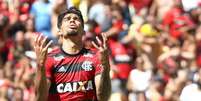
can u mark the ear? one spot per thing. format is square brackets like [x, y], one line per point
[84, 32]
[59, 32]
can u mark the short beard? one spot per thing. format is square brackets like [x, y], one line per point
[72, 33]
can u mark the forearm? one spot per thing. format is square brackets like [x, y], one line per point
[112, 32]
[41, 85]
[104, 90]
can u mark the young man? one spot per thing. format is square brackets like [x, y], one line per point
[72, 73]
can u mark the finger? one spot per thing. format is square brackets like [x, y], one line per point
[43, 41]
[95, 45]
[48, 45]
[104, 37]
[39, 39]
[104, 40]
[99, 41]
[36, 38]
[36, 43]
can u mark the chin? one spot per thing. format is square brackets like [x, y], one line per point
[73, 33]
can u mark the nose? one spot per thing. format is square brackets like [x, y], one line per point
[72, 20]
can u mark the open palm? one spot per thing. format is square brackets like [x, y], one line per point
[41, 47]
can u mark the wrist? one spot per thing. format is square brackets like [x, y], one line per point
[40, 65]
[106, 70]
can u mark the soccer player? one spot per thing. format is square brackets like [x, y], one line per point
[72, 72]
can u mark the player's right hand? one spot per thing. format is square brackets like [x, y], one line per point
[41, 46]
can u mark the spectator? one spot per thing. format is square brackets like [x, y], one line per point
[41, 11]
[193, 88]
[139, 80]
[98, 12]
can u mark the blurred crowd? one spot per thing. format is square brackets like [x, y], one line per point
[154, 45]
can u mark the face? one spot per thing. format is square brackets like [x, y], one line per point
[71, 25]
[30, 25]
[18, 94]
[140, 62]
[19, 37]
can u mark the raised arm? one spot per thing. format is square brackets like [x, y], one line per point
[102, 81]
[41, 82]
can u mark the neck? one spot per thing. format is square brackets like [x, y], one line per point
[72, 47]
[141, 69]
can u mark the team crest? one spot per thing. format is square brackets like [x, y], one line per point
[87, 65]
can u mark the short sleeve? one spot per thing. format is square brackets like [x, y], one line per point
[49, 64]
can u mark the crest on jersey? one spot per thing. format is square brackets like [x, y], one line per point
[87, 65]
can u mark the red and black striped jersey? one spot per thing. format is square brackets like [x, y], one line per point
[72, 76]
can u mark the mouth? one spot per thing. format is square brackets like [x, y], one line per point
[73, 27]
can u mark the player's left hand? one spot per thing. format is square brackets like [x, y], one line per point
[103, 49]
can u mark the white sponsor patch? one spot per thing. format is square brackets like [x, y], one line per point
[75, 86]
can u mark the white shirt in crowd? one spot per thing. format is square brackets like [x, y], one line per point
[191, 93]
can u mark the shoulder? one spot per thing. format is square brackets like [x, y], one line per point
[190, 87]
[53, 52]
[53, 56]
[90, 52]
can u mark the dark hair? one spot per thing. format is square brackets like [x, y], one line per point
[4, 21]
[73, 10]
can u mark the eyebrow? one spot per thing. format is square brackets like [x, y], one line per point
[71, 14]
[66, 17]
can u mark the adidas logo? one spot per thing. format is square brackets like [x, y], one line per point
[62, 69]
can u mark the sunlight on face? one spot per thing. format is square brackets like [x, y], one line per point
[71, 25]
